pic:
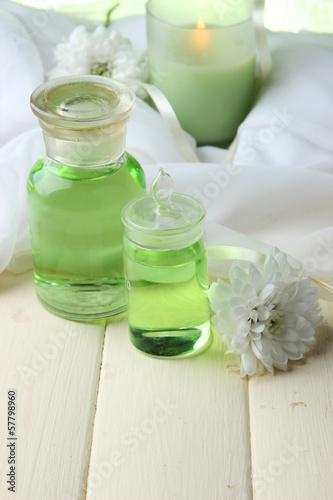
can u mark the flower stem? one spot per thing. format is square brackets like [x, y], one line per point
[109, 13]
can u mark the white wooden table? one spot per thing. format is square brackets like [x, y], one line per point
[98, 420]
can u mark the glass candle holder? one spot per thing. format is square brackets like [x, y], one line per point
[202, 56]
[76, 193]
[166, 272]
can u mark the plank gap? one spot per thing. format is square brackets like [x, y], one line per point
[250, 434]
[94, 416]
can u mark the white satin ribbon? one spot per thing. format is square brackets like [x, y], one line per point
[230, 253]
[265, 58]
[170, 119]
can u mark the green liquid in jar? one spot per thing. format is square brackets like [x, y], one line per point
[168, 307]
[77, 233]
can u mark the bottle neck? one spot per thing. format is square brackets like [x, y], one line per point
[79, 147]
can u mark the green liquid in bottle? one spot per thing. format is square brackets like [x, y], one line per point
[168, 307]
[77, 233]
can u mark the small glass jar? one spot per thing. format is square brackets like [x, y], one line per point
[76, 193]
[166, 272]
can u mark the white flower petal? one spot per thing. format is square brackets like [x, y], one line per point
[292, 350]
[255, 336]
[268, 292]
[278, 353]
[300, 322]
[240, 274]
[220, 291]
[240, 343]
[263, 313]
[258, 328]
[262, 352]
[249, 363]
[240, 313]
[255, 302]
[236, 302]
[289, 335]
[220, 306]
[243, 328]
[254, 315]
[248, 291]
[237, 286]
[255, 278]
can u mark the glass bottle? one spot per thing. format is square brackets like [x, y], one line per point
[76, 193]
[166, 272]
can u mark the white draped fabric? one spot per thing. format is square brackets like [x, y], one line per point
[278, 190]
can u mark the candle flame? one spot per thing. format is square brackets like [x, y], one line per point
[201, 24]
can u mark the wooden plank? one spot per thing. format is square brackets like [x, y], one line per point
[169, 429]
[54, 366]
[291, 417]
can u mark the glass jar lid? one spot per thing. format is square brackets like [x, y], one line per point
[82, 101]
[83, 118]
[164, 219]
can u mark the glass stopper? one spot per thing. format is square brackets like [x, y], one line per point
[161, 191]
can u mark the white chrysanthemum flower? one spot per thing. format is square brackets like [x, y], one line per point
[267, 315]
[102, 53]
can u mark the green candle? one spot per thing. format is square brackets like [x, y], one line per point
[210, 103]
[206, 69]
